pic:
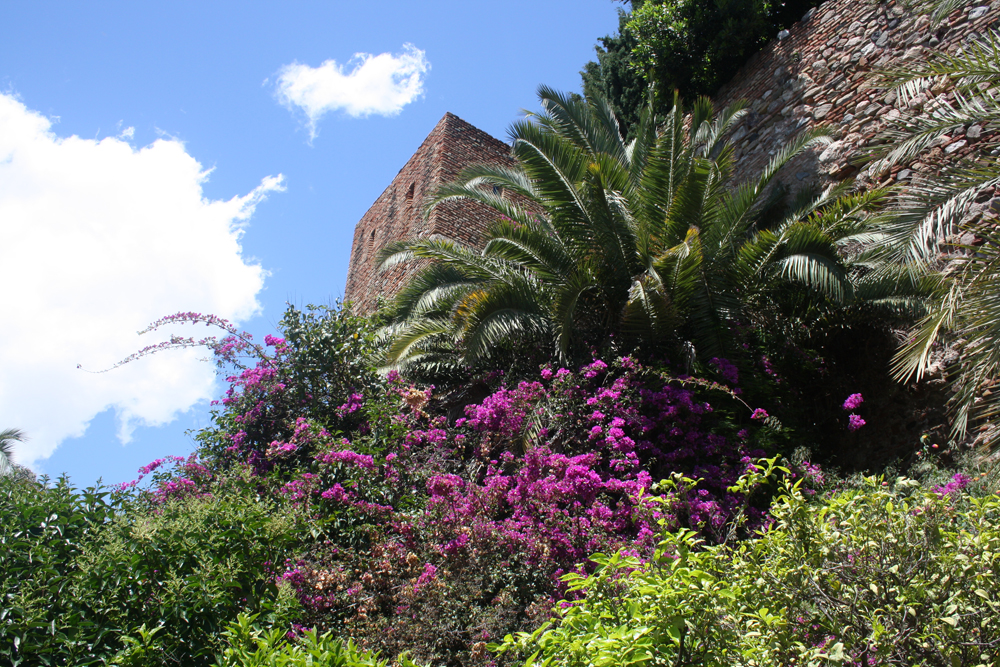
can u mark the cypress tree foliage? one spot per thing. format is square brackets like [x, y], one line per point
[613, 77]
[688, 46]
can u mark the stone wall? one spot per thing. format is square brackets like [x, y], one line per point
[820, 72]
[398, 213]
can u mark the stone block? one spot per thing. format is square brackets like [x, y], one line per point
[820, 112]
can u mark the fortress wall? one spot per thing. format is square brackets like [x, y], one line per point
[821, 74]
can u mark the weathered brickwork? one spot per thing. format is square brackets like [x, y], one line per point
[820, 73]
[398, 213]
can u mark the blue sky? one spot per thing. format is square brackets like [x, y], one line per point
[201, 157]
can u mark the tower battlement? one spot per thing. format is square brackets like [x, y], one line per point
[398, 213]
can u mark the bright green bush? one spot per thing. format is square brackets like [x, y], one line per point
[84, 572]
[41, 536]
[880, 575]
[187, 565]
[695, 46]
[250, 646]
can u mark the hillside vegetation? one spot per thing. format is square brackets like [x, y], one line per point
[668, 415]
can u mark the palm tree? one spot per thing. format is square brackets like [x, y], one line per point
[7, 439]
[600, 242]
[965, 309]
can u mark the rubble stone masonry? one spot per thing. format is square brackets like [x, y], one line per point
[821, 73]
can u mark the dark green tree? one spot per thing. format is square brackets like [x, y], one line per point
[689, 46]
[613, 77]
[695, 46]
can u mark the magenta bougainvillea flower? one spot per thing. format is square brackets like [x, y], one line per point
[854, 422]
[853, 401]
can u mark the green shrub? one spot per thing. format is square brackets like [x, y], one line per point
[187, 565]
[250, 646]
[695, 46]
[884, 574]
[41, 536]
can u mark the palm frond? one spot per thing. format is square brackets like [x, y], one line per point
[532, 246]
[565, 302]
[8, 437]
[649, 240]
[411, 337]
[431, 290]
[484, 190]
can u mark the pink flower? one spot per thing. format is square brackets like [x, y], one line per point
[854, 422]
[427, 576]
[726, 369]
[957, 483]
[354, 402]
[759, 413]
[351, 458]
[853, 401]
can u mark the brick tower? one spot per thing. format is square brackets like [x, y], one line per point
[398, 214]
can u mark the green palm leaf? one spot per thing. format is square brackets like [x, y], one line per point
[648, 240]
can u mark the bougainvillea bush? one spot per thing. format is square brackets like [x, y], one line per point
[439, 535]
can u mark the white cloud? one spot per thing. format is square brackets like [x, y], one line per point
[97, 240]
[381, 84]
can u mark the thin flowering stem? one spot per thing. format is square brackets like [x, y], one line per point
[704, 384]
[225, 349]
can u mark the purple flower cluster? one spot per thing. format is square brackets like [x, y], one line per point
[303, 435]
[594, 369]
[854, 422]
[427, 576]
[556, 506]
[365, 461]
[554, 510]
[504, 412]
[300, 489]
[188, 478]
[955, 484]
[853, 401]
[353, 404]
[727, 370]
